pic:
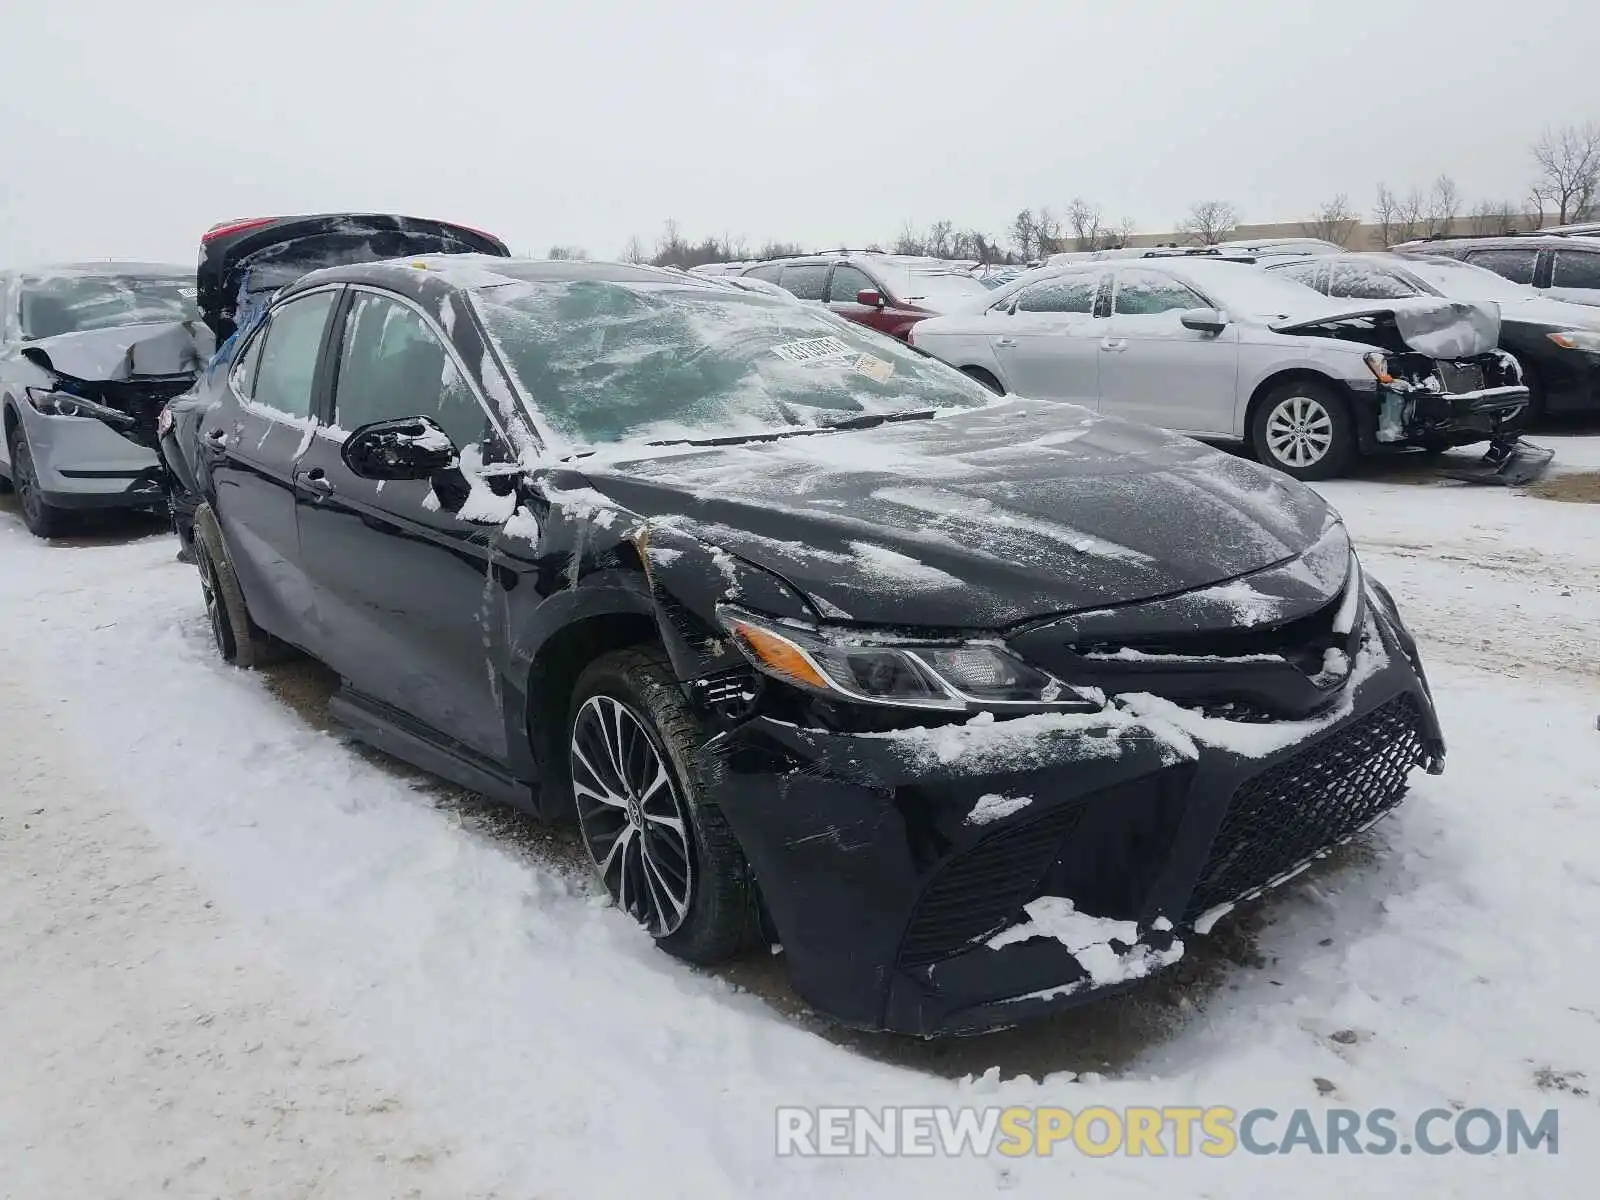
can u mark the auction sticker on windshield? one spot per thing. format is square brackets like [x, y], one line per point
[874, 368]
[812, 349]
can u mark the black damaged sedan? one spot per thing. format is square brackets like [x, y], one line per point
[980, 707]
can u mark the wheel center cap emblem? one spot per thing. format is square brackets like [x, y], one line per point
[635, 812]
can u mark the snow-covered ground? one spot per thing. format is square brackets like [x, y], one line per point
[239, 957]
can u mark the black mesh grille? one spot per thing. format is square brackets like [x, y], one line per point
[1288, 813]
[979, 891]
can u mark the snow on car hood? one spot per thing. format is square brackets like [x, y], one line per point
[125, 352]
[1557, 314]
[1435, 327]
[977, 519]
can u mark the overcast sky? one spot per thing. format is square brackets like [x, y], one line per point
[128, 126]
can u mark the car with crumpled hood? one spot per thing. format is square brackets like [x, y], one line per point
[89, 354]
[976, 706]
[1222, 350]
[244, 263]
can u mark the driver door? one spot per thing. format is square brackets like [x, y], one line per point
[1155, 370]
[407, 607]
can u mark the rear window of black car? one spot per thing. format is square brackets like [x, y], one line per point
[1577, 269]
[605, 362]
[56, 304]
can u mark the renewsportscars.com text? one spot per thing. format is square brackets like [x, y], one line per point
[1135, 1131]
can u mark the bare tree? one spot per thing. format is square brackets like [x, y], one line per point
[1125, 230]
[575, 252]
[1209, 221]
[633, 250]
[940, 236]
[1444, 202]
[1052, 240]
[1494, 216]
[1025, 234]
[1084, 217]
[1335, 221]
[776, 249]
[1568, 170]
[910, 240]
[1385, 215]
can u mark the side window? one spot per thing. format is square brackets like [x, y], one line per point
[288, 354]
[807, 281]
[1577, 269]
[1145, 293]
[392, 366]
[1302, 272]
[847, 281]
[244, 368]
[772, 273]
[1515, 265]
[1073, 294]
[1368, 283]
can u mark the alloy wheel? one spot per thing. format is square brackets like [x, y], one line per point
[27, 483]
[220, 632]
[1299, 431]
[632, 816]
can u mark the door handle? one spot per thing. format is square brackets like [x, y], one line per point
[215, 443]
[1114, 343]
[317, 482]
[1005, 341]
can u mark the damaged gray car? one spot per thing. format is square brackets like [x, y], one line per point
[1224, 351]
[89, 355]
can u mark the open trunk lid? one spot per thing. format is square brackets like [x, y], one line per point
[242, 263]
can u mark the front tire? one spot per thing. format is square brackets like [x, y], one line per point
[238, 638]
[640, 783]
[979, 375]
[1303, 428]
[42, 519]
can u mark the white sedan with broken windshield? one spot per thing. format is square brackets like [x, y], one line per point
[1222, 350]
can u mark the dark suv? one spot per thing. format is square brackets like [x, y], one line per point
[886, 292]
[1563, 267]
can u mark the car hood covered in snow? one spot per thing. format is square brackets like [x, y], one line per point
[1436, 327]
[976, 519]
[125, 352]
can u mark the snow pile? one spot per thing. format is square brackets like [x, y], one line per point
[1090, 939]
[993, 807]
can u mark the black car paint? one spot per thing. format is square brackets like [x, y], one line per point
[459, 643]
[243, 264]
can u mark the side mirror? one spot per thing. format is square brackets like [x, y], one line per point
[412, 448]
[870, 298]
[1204, 320]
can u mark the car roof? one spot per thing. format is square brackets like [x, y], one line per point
[108, 267]
[1504, 241]
[422, 276]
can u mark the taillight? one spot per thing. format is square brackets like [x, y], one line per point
[228, 228]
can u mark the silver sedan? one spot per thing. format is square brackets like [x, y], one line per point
[1223, 350]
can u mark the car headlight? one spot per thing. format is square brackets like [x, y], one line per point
[953, 675]
[1577, 339]
[60, 404]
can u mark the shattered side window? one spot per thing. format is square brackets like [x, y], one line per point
[289, 354]
[393, 366]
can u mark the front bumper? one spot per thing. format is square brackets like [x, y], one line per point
[83, 464]
[886, 893]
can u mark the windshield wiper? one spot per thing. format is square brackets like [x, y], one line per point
[864, 421]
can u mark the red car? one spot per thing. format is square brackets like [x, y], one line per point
[886, 292]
